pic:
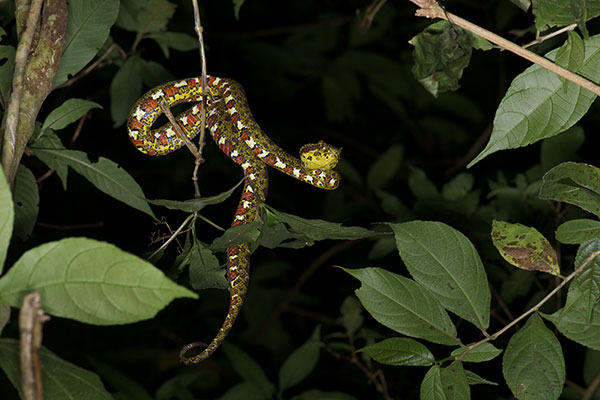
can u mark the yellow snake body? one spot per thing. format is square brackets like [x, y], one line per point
[237, 134]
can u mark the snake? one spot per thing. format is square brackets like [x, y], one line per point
[236, 132]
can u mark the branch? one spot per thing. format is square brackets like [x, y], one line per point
[430, 9]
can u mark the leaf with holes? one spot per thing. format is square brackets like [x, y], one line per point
[524, 247]
[90, 281]
[573, 183]
[533, 363]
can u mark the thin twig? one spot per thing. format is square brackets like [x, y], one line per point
[534, 308]
[370, 13]
[9, 133]
[31, 319]
[551, 35]
[172, 237]
[430, 9]
[589, 392]
[177, 128]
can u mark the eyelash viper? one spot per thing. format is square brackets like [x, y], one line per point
[237, 134]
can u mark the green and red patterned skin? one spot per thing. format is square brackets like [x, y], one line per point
[237, 134]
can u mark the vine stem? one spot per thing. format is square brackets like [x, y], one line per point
[431, 9]
[534, 308]
[172, 237]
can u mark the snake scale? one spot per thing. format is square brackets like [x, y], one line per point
[237, 134]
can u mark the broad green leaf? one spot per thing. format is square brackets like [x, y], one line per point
[421, 186]
[194, 205]
[205, 270]
[244, 233]
[522, 4]
[27, 202]
[106, 175]
[125, 89]
[573, 183]
[88, 24]
[315, 394]
[155, 16]
[316, 229]
[67, 113]
[4, 316]
[524, 247]
[248, 369]
[244, 391]
[481, 353]
[446, 263]
[90, 281]
[7, 216]
[50, 141]
[559, 13]
[174, 40]
[474, 379]
[237, 4]
[442, 51]
[351, 318]
[571, 54]
[431, 387]
[454, 382]
[385, 167]
[579, 319]
[403, 305]
[538, 104]
[120, 382]
[60, 379]
[533, 363]
[154, 74]
[562, 147]
[458, 187]
[299, 365]
[7, 61]
[400, 351]
[578, 231]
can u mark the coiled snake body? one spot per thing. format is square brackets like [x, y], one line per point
[237, 134]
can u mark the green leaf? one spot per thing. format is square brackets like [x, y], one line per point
[533, 363]
[442, 52]
[315, 394]
[244, 391]
[125, 89]
[524, 247]
[421, 186]
[559, 13]
[316, 229]
[299, 365]
[455, 278]
[7, 216]
[522, 4]
[106, 175]
[50, 141]
[154, 74]
[155, 16]
[431, 387]
[27, 202]
[90, 281]
[60, 379]
[454, 382]
[88, 25]
[194, 205]
[400, 351]
[481, 353]
[573, 183]
[572, 53]
[236, 235]
[123, 384]
[174, 40]
[4, 316]
[538, 104]
[579, 319]
[458, 187]
[248, 369]
[205, 270]
[351, 318]
[67, 113]
[562, 147]
[237, 4]
[474, 379]
[385, 167]
[403, 305]
[578, 231]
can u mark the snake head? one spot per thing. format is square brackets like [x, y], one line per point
[320, 156]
